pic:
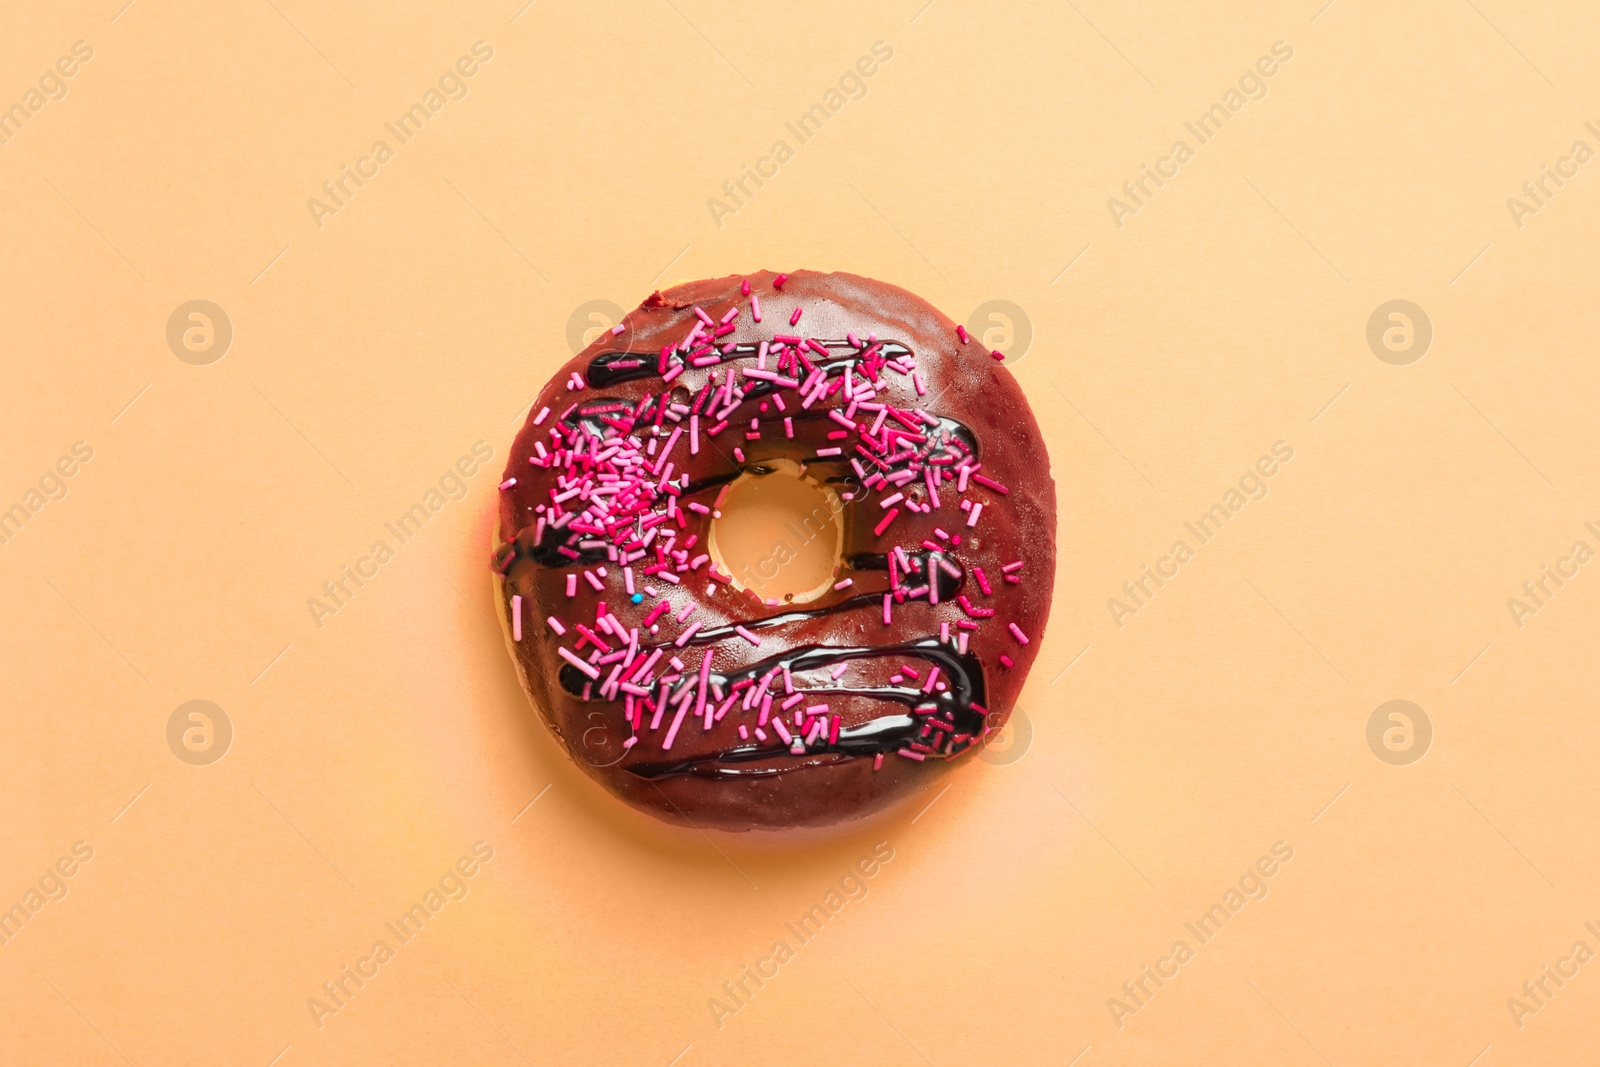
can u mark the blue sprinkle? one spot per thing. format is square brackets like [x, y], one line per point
[638, 598]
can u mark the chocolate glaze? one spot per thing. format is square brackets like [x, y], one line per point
[716, 779]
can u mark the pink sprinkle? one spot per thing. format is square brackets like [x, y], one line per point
[996, 486]
[555, 624]
[983, 582]
[892, 501]
[677, 720]
[838, 669]
[961, 332]
[795, 317]
[747, 635]
[777, 283]
[886, 599]
[884, 525]
[1006, 661]
[755, 307]
[788, 427]
[572, 585]
[908, 754]
[543, 414]
[617, 330]
[1009, 567]
[700, 701]
[877, 761]
[843, 585]
[933, 676]
[998, 355]
[822, 452]
[972, 518]
[783, 731]
[599, 586]
[672, 439]
[508, 483]
[566, 654]
[1016, 632]
[516, 618]
[683, 638]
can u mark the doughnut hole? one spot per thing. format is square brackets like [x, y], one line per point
[778, 533]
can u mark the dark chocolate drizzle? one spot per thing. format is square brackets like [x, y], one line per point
[609, 368]
[883, 734]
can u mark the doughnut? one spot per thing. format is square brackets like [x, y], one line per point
[676, 685]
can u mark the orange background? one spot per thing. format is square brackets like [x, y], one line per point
[1163, 757]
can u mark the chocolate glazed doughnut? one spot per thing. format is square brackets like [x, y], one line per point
[689, 696]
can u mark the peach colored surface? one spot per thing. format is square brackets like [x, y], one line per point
[401, 216]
